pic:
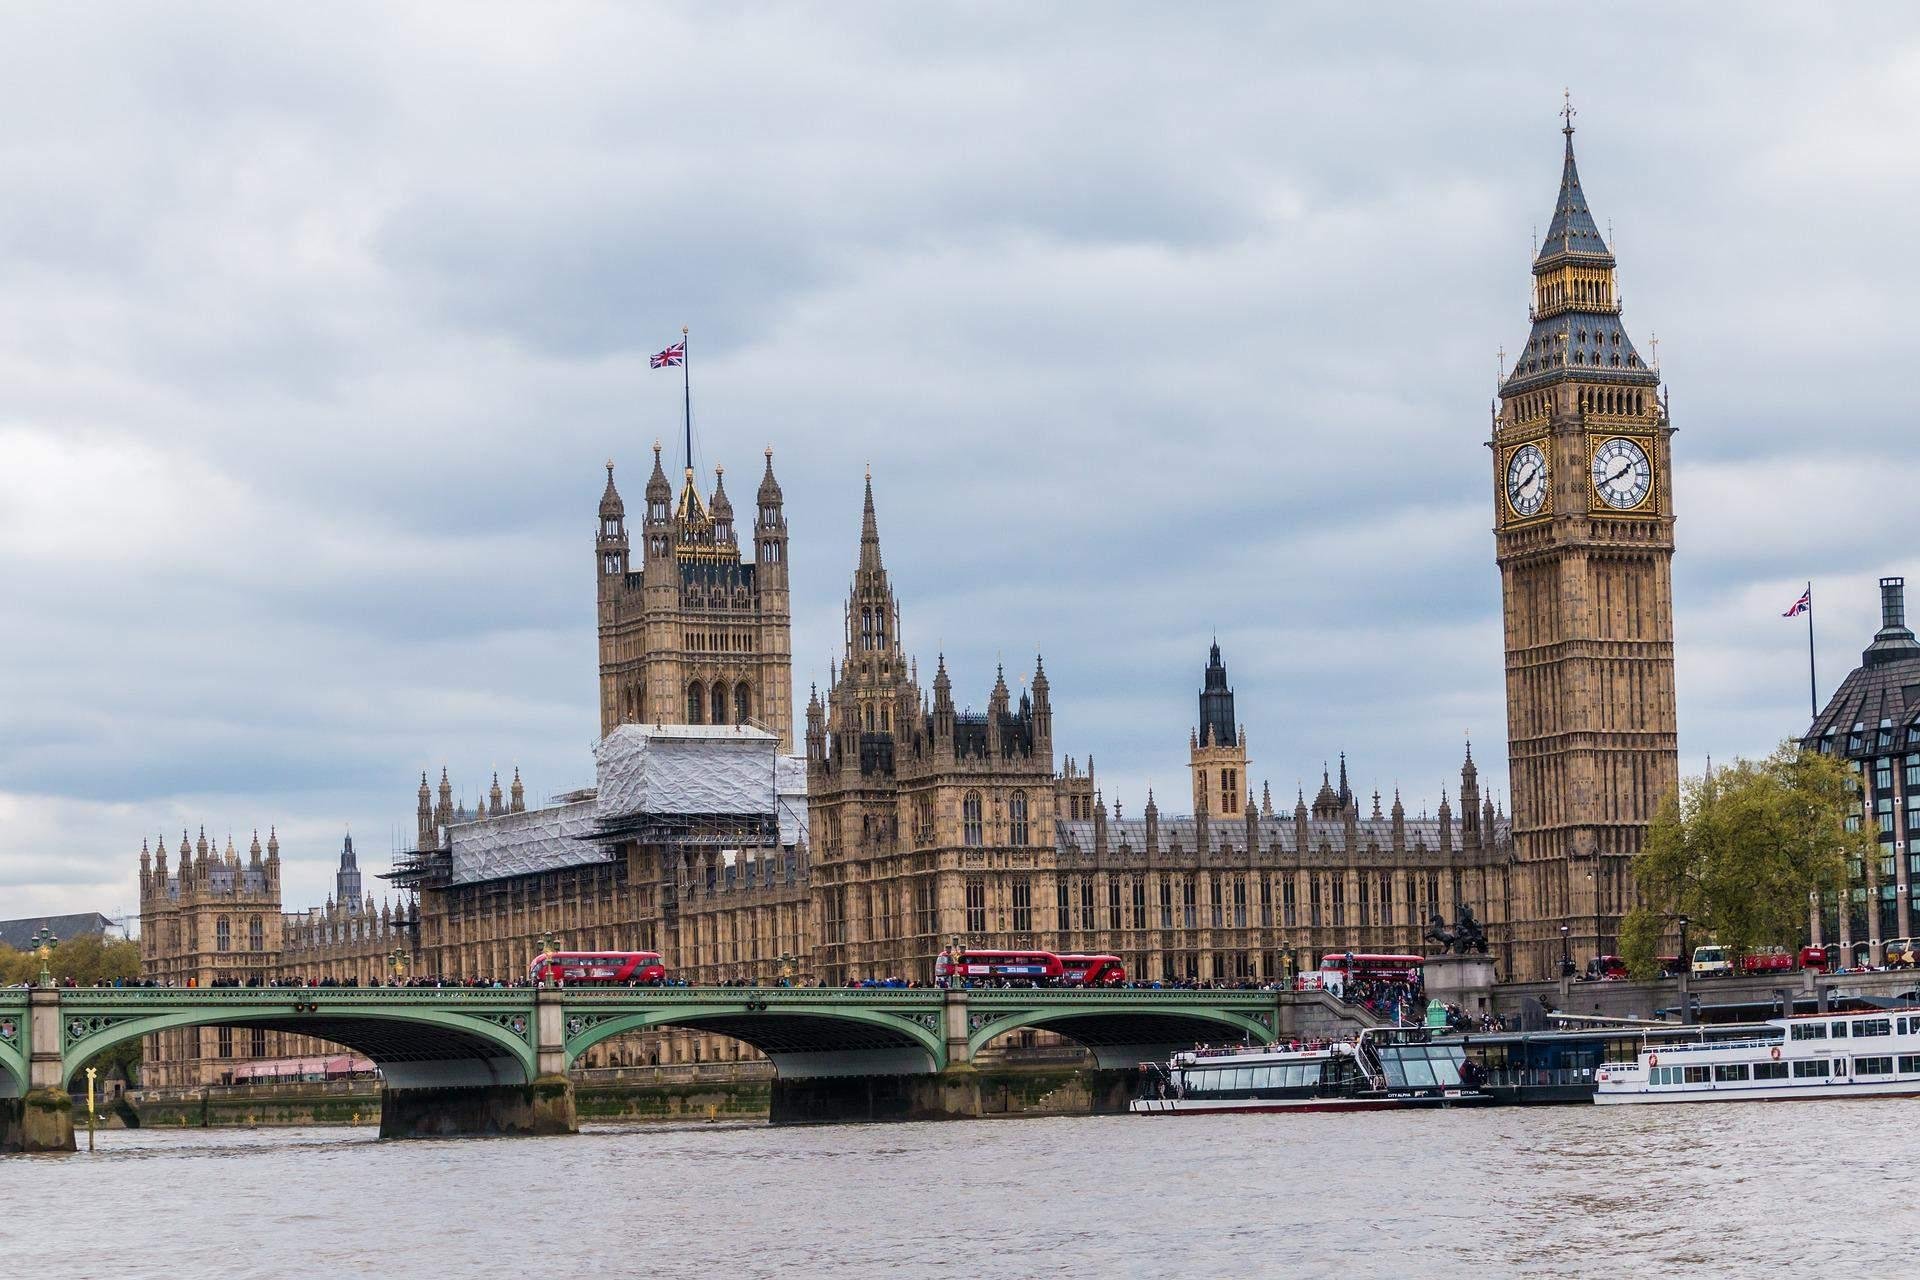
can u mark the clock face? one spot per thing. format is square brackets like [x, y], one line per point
[1527, 480]
[1622, 476]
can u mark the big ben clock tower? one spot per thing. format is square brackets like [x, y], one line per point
[1583, 531]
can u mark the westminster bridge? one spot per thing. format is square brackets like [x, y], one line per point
[494, 1060]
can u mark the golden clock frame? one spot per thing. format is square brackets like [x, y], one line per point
[1513, 517]
[1649, 506]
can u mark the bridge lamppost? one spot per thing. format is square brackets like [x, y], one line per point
[397, 964]
[1566, 953]
[44, 942]
[546, 949]
[786, 969]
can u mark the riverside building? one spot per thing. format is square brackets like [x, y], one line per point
[1873, 723]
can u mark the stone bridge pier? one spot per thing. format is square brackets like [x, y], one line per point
[486, 1097]
[40, 1118]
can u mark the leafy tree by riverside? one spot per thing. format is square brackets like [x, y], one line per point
[89, 960]
[1738, 851]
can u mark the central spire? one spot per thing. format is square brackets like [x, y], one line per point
[869, 532]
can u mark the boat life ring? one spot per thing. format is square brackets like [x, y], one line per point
[1653, 1059]
[1603, 1077]
[1776, 1053]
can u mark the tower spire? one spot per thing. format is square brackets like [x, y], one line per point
[869, 531]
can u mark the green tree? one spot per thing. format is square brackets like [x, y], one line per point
[1739, 850]
[89, 959]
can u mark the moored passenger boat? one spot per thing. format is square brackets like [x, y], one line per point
[1383, 1068]
[1854, 1055]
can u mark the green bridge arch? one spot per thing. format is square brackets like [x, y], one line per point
[801, 1041]
[13, 1048]
[1116, 1036]
[414, 1044]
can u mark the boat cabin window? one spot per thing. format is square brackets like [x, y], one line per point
[1839, 1031]
[1695, 1075]
[1873, 1027]
[1415, 1066]
[1727, 1071]
[1806, 1070]
[1809, 1031]
[1873, 1066]
[1769, 1071]
[1909, 1063]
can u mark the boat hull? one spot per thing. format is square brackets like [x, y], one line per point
[1246, 1106]
[1772, 1093]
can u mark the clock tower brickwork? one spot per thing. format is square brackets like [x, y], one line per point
[1583, 530]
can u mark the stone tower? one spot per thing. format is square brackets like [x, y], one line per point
[929, 823]
[1583, 531]
[1217, 749]
[695, 635]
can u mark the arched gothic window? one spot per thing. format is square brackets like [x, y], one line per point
[696, 703]
[1017, 811]
[719, 703]
[256, 935]
[742, 704]
[222, 935]
[970, 819]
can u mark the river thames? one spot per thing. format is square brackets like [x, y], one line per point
[1728, 1190]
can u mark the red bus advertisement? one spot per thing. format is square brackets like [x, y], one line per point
[1336, 967]
[610, 967]
[1037, 968]
[1041, 968]
[1091, 971]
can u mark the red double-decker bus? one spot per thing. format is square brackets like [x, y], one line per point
[600, 967]
[1336, 967]
[1091, 971]
[1040, 968]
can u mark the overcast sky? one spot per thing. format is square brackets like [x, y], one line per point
[1154, 322]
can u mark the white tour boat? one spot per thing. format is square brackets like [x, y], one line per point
[1834, 1055]
[1382, 1068]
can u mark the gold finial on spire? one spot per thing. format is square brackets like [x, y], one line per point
[1567, 111]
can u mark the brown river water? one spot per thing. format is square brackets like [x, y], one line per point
[1809, 1188]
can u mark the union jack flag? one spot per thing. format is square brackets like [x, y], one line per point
[1803, 605]
[673, 355]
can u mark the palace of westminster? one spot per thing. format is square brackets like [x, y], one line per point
[907, 825]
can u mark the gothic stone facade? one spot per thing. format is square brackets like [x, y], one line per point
[695, 635]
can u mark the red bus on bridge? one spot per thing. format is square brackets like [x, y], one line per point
[1091, 971]
[1038, 968]
[1336, 967]
[608, 968]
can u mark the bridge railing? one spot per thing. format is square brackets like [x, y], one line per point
[161, 997]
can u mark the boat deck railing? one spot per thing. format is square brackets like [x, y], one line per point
[1700, 1046]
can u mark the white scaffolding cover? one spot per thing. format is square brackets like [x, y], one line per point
[516, 844]
[686, 769]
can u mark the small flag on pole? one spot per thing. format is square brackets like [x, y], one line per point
[673, 355]
[1803, 605]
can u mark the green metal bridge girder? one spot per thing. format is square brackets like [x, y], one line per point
[390, 1025]
[813, 1030]
[1098, 1018]
[15, 1028]
[779, 1021]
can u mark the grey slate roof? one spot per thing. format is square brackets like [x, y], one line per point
[18, 934]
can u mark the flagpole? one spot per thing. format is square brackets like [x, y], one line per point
[686, 387]
[1813, 688]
